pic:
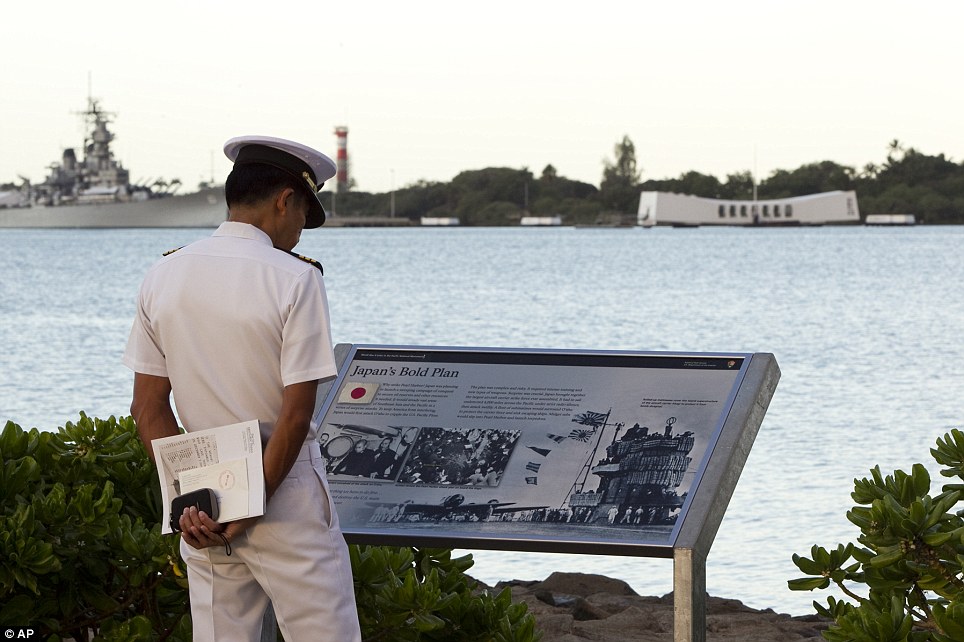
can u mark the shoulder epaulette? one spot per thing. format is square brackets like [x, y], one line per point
[306, 259]
[172, 251]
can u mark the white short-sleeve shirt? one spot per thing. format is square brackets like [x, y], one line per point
[231, 321]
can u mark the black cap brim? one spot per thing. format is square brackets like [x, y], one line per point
[316, 212]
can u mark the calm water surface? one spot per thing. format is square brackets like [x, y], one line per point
[865, 323]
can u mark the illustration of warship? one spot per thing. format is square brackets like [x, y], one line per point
[638, 478]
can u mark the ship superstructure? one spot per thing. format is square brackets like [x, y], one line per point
[95, 190]
[97, 177]
[638, 478]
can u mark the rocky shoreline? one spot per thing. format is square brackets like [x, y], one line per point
[575, 607]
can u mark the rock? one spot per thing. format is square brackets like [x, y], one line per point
[584, 584]
[579, 607]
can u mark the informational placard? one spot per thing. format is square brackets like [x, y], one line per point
[523, 449]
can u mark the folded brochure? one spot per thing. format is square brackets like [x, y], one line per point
[226, 459]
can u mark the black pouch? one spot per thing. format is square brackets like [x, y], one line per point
[203, 498]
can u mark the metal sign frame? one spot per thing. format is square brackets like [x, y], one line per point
[460, 401]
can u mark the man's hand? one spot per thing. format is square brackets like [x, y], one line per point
[280, 453]
[200, 531]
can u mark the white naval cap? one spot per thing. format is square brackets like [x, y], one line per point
[308, 165]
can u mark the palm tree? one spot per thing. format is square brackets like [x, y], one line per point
[894, 147]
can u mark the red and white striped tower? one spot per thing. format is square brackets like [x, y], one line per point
[342, 159]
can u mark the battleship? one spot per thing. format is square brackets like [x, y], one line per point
[96, 192]
[638, 478]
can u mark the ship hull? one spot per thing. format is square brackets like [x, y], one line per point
[204, 208]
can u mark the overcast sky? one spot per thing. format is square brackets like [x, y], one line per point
[429, 89]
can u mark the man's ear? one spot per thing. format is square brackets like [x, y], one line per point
[281, 200]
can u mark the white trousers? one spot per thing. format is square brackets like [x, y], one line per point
[295, 557]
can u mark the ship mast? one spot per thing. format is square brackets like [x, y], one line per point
[598, 422]
[98, 168]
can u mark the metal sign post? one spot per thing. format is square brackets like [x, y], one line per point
[710, 503]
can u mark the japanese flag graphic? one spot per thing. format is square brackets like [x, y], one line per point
[358, 392]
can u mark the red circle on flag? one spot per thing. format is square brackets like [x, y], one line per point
[358, 393]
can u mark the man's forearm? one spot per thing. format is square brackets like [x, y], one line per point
[280, 454]
[290, 432]
[151, 409]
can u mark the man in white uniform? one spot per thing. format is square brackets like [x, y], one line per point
[236, 327]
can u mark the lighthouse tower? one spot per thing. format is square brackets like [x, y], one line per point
[342, 159]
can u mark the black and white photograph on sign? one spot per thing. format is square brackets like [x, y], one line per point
[459, 457]
[375, 453]
[543, 450]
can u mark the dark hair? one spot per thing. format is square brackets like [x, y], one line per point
[250, 183]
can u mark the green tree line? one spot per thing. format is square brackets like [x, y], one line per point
[906, 182]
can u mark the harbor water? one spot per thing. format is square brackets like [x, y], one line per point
[865, 323]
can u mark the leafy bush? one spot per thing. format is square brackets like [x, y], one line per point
[409, 594]
[82, 555]
[80, 547]
[909, 557]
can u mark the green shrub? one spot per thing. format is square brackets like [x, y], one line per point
[410, 594]
[80, 544]
[908, 557]
[82, 556]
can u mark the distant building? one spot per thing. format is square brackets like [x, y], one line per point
[439, 221]
[535, 221]
[890, 219]
[666, 208]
